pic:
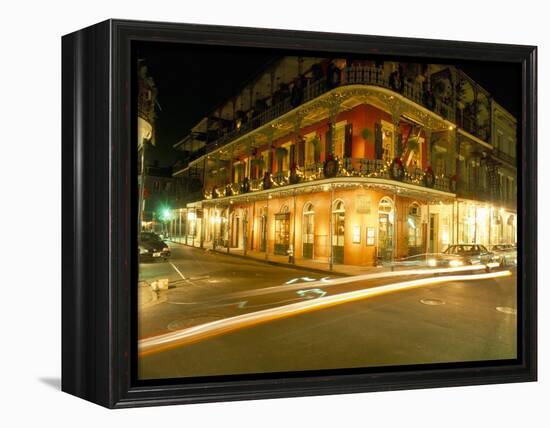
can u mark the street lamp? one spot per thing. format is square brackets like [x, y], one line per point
[165, 216]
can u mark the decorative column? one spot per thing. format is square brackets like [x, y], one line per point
[245, 230]
[294, 228]
[397, 138]
[298, 159]
[428, 138]
[266, 228]
[396, 110]
[452, 159]
[214, 236]
[330, 231]
[228, 228]
[395, 228]
[428, 221]
[268, 133]
[203, 227]
[333, 110]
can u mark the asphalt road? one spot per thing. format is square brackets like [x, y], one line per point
[210, 280]
[445, 322]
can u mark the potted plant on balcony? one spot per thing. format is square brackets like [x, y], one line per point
[366, 133]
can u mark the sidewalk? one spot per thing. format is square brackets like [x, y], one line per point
[317, 266]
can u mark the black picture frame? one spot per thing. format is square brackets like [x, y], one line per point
[98, 167]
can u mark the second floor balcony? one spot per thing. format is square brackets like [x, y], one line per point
[268, 111]
[349, 168]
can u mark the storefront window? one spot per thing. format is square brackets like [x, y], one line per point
[415, 229]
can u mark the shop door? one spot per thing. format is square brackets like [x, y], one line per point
[282, 233]
[338, 229]
[385, 237]
[309, 236]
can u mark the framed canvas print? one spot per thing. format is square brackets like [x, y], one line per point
[252, 213]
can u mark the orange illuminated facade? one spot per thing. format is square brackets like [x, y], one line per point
[336, 161]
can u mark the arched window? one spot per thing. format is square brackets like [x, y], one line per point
[308, 230]
[282, 230]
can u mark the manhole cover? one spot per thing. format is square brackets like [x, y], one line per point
[432, 302]
[507, 310]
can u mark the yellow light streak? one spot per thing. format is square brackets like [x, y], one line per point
[208, 330]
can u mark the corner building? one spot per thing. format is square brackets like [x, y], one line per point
[344, 161]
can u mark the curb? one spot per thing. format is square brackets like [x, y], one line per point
[269, 262]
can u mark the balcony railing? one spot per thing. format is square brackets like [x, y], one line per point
[352, 75]
[346, 167]
[499, 154]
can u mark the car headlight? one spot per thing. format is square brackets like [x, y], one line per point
[432, 262]
[456, 263]
[143, 250]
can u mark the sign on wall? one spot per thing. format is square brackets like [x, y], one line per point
[370, 235]
[363, 204]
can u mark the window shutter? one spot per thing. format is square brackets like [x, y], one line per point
[292, 157]
[378, 140]
[348, 135]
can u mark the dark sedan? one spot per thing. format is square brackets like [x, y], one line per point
[152, 247]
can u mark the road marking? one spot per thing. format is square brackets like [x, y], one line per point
[432, 302]
[327, 281]
[311, 293]
[194, 334]
[177, 270]
[303, 278]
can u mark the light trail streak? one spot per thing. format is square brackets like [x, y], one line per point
[215, 328]
[325, 282]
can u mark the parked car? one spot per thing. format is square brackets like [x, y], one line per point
[507, 253]
[152, 247]
[430, 260]
[472, 254]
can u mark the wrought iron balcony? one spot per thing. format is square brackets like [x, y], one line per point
[499, 154]
[353, 75]
[346, 167]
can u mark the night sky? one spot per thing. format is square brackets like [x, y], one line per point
[193, 80]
